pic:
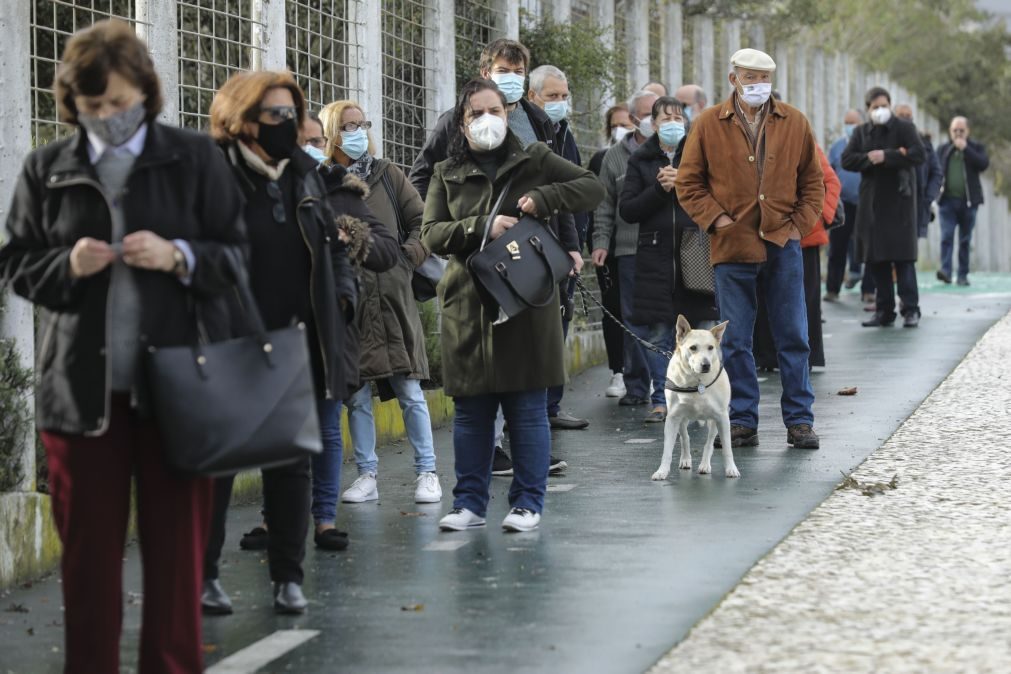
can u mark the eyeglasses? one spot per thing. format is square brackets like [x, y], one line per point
[280, 113]
[351, 127]
[318, 142]
[274, 192]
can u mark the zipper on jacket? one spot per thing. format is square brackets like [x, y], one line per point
[312, 294]
[107, 411]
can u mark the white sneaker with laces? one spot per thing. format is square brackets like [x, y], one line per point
[361, 490]
[616, 389]
[521, 519]
[428, 489]
[460, 519]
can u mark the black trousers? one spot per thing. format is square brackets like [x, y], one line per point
[764, 347]
[905, 275]
[839, 248]
[286, 500]
[610, 297]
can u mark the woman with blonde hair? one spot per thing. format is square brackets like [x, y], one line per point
[388, 324]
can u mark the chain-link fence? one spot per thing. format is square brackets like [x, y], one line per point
[478, 22]
[322, 48]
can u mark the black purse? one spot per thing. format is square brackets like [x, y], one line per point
[840, 217]
[521, 269]
[426, 277]
[238, 404]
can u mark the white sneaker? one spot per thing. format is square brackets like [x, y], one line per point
[616, 389]
[361, 490]
[521, 519]
[428, 489]
[460, 519]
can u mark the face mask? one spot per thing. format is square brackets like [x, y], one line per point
[618, 133]
[510, 85]
[278, 140]
[488, 131]
[848, 129]
[115, 129]
[646, 126]
[354, 143]
[557, 110]
[755, 95]
[689, 114]
[881, 115]
[671, 133]
[314, 152]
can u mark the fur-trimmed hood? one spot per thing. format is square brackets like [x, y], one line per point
[336, 177]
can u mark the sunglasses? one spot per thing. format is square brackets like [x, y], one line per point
[274, 192]
[279, 113]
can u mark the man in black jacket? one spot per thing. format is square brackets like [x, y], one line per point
[962, 160]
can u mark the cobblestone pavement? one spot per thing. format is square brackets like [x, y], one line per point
[915, 579]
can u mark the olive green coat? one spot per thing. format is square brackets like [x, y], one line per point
[389, 325]
[524, 353]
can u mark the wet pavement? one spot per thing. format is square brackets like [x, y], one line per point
[621, 568]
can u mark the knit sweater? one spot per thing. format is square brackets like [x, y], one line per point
[608, 225]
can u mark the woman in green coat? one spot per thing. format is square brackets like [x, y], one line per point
[511, 363]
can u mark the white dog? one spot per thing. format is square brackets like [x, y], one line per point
[698, 388]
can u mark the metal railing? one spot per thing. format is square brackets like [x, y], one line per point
[478, 22]
[321, 48]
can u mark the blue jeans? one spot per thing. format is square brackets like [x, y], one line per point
[636, 367]
[662, 335]
[417, 422]
[782, 276]
[326, 466]
[956, 213]
[474, 447]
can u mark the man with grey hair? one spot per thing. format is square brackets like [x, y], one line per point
[962, 160]
[694, 99]
[751, 176]
[613, 236]
[549, 90]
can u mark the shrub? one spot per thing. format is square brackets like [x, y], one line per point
[15, 419]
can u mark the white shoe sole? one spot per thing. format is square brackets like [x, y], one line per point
[613, 393]
[457, 527]
[427, 499]
[517, 529]
[557, 468]
[374, 496]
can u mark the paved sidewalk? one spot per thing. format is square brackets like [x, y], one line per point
[915, 579]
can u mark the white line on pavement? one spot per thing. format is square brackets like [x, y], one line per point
[561, 487]
[445, 546]
[264, 651]
[640, 441]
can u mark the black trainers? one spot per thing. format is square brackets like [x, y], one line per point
[911, 320]
[942, 277]
[331, 539]
[631, 400]
[502, 465]
[879, 320]
[802, 436]
[256, 539]
[740, 436]
[556, 466]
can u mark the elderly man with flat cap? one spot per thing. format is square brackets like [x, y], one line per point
[750, 175]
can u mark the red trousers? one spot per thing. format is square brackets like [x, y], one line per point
[90, 478]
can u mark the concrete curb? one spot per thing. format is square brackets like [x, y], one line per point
[30, 547]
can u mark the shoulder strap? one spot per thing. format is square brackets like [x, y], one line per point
[494, 211]
[401, 226]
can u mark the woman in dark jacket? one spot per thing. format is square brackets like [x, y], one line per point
[299, 272]
[648, 198]
[114, 232]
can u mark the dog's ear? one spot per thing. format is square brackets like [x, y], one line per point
[719, 330]
[683, 328]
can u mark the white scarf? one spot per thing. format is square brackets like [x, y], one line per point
[254, 162]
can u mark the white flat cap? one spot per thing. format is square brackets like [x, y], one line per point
[752, 59]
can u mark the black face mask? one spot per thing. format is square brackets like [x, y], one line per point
[278, 140]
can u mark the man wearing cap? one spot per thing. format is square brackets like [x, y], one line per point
[750, 175]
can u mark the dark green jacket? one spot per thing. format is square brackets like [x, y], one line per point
[524, 353]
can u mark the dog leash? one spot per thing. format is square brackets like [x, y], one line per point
[584, 292]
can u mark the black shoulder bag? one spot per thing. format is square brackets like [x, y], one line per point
[426, 277]
[521, 269]
[238, 404]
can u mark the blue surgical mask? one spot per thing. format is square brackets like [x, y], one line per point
[510, 84]
[671, 133]
[354, 143]
[315, 153]
[689, 114]
[848, 128]
[557, 110]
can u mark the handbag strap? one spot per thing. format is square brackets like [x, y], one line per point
[494, 212]
[401, 226]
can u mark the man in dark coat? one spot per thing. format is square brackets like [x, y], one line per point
[886, 151]
[962, 160]
[928, 176]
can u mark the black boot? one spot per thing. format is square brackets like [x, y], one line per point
[880, 320]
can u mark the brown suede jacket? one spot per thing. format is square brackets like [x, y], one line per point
[719, 175]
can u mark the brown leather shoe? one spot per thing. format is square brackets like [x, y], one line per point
[740, 436]
[802, 436]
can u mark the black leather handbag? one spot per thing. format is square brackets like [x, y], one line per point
[840, 217]
[237, 404]
[426, 277]
[521, 269]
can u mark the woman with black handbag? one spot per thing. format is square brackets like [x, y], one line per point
[648, 198]
[487, 362]
[391, 337]
[298, 258]
[115, 232]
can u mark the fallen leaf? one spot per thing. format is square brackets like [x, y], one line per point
[848, 391]
[413, 607]
[404, 513]
[210, 648]
[17, 608]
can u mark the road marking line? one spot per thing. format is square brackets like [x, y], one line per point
[445, 546]
[640, 441]
[561, 487]
[263, 652]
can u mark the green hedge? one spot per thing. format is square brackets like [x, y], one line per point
[15, 419]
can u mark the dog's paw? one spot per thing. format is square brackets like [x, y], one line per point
[705, 469]
[660, 475]
[685, 464]
[732, 471]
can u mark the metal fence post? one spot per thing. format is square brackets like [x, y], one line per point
[158, 26]
[783, 69]
[731, 43]
[15, 128]
[638, 42]
[673, 36]
[269, 35]
[442, 93]
[510, 13]
[366, 66]
[705, 53]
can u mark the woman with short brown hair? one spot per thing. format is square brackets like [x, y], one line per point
[114, 233]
